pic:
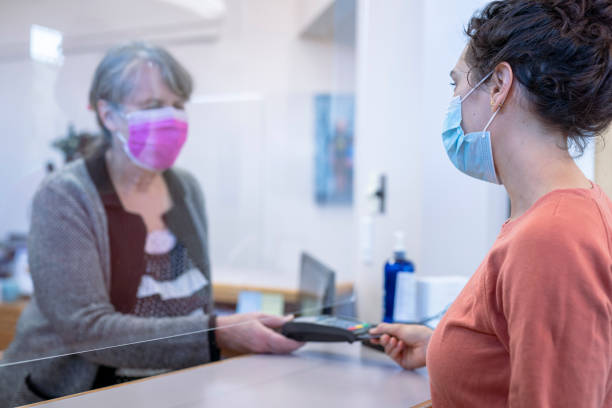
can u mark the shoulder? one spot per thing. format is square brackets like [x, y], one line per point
[561, 243]
[556, 261]
[567, 219]
[185, 176]
[71, 181]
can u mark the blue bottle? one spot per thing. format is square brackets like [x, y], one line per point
[399, 299]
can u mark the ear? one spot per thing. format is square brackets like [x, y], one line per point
[108, 116]
[501, 83]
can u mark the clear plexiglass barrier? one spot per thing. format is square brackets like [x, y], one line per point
[177, 185]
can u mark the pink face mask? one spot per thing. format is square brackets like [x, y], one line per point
[156, 137]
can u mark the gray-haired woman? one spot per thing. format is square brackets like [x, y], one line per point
[118, 250]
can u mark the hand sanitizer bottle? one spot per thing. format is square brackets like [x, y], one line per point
[400, 303]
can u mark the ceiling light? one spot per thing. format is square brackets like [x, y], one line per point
[46, 45]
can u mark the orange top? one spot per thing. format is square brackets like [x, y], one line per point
[533, 326]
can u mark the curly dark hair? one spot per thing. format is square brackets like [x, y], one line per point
[559, 50]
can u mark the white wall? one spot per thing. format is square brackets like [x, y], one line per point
[463, 215]
[388, 133]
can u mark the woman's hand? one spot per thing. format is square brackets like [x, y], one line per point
[253, 333]
[406, 344]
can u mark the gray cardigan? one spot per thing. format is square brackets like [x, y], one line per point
[71, 312]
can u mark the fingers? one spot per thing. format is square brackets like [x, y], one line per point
[394, 348]
[279, 344]
[405, 344]
[395, 353]
[390, 345]
[409, 333]
[392, 329]
[384, 339]
[274, 322]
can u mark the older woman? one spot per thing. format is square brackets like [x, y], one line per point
[533, 327]
[119, 250]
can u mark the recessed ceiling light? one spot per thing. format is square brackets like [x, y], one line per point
[46, 45]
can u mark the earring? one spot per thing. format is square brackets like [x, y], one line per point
[496, 107]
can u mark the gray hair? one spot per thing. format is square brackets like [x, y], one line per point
[113, 79]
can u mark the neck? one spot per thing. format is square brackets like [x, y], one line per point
[127, 176]
[531, 164]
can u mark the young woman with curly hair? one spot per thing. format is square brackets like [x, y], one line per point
[533, 327]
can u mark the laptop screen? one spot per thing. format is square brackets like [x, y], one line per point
[317, 287]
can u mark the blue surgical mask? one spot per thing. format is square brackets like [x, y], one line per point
[471, 153]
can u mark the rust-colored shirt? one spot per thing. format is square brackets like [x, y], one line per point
[533, 326]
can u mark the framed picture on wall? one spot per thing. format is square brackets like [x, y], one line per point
[334, 149]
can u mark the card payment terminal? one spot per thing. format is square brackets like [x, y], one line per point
[326, 328]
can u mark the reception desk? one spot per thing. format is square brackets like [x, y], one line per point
[318, 375]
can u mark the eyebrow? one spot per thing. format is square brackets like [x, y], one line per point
[152, 101]
[155, 102]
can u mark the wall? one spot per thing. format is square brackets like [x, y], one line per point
[463, 215]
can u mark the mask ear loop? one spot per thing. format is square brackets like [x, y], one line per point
[472, 90]
[491, 120]
[124, 141]
[119, 112]
[492, 117]
[476, 86]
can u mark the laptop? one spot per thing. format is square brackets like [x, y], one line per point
[317, 289]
